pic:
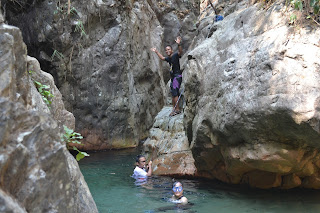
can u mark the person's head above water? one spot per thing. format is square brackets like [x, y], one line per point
[142, 168]
[177, 190]
[141, 161]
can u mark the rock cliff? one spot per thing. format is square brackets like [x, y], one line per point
[37, 172]
[99, 55]
[252, 98]
[250, 84]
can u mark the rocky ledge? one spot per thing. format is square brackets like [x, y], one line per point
[168, 146]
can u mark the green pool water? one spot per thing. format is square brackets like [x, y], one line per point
[108, 177]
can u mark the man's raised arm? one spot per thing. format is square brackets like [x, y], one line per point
[159, 54]
[178, 41]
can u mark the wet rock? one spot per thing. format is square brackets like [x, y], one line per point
[262, 179]
[168, 147]
[290, 181]
[311, 182]
[252, 94]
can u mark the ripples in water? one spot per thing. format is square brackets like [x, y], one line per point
[108, 175]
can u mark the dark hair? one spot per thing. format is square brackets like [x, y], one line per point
[169, 46]
[138, 158]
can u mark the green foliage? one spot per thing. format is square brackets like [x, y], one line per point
[71, 137]
[297, 4]
[300, 4]
[30, 72]
[63, 9]
[44, 90]
[80, 154]
[74, 11]
[293, 18]
[309, 10]
[315, 5]
[80, 28]
[58, 10]
[57, 54]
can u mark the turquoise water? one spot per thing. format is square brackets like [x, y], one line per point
[108, 177]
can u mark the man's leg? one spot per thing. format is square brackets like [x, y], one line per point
[174, 107]
[175, 100]
[172, 103]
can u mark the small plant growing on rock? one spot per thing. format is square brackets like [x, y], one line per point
[57, 54]
[293, 18]
[80, 28]
[309, 10]
[45, 92]
[297, 4]
[70, 137]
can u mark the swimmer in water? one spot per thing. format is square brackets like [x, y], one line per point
[178, 194]
[141, 170]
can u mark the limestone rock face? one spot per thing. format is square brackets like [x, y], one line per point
[100, 58]
[37, 173]
[168, 146]
[56, 106]
[13, 65]
[252, 100]
[9, 205]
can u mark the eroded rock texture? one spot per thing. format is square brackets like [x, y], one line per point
[37, 173]
[100, 58]
[168, 146]
[252, 100]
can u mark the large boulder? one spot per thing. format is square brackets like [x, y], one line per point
[252, 99]
[168, 146]
[37, 172]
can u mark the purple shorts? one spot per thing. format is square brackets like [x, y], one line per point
[175, 85]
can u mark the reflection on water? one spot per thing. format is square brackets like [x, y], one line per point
[108, 175]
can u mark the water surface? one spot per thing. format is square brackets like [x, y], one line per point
[108, 177]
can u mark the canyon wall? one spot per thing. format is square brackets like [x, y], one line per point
[99, 55]
[37, 172]
[252, 98]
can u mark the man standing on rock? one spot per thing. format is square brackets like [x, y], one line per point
[175, 72]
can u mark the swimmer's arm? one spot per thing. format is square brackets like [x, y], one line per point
[149, 173]
[184, 200]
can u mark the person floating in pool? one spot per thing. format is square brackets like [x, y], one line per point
[142, 171]
[178, 194]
